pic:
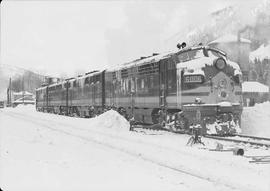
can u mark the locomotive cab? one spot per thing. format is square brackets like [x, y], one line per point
[207, 75]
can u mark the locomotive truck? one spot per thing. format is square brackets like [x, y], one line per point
[189, 86]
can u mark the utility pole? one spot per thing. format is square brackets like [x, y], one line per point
[8, 89]
[67, 86]
[9, 93]
[23, 89]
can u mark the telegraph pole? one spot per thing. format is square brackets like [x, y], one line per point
[9, 93]
[23, 89]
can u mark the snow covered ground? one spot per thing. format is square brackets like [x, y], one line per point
[256, 120]
[40, 151]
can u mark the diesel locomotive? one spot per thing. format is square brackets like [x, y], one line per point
[178, 89]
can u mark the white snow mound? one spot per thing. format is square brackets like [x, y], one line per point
[21, 107]
[255, 120]
[111, 119]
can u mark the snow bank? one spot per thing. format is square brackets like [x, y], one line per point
[254, 87]
[256, 120]
[29, 107]
[42, 150]
[111, 119]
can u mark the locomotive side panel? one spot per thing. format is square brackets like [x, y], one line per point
[210, 87]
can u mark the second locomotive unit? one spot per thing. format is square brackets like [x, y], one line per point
[194, 85]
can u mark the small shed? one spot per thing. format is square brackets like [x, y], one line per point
[254, 92]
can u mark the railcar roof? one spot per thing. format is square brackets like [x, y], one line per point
[156, 58]
[88, 75]
[40, 88]
[71, 80]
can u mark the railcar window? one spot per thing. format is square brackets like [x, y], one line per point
[129, 85]
[98, 78]
[171, 81]
[132, 85]
[67, 85]
[87, 81]
[151, 81]
[58, 87]
[124, 73]
[74, 84]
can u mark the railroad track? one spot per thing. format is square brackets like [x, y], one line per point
[246, 139]
[254, 137]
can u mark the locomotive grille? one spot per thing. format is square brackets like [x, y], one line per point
[148, 69]
[124, 73]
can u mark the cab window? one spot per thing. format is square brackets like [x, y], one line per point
[190, 55]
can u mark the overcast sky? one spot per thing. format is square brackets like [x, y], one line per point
[69, 37]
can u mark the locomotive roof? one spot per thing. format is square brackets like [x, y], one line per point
[142, 61]
[156, 58]
[196, 65]
[192, 64]
[70, 80]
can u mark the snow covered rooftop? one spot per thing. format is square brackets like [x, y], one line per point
[229, 38]
[254, 87]
[263, 52]
[22, 93]
[24, 101]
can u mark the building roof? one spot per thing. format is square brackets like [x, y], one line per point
[263, 52]
[25, 100]
[22, 93]
[254, 87]
[229, 38]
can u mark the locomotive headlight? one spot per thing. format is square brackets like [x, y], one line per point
[220, 63]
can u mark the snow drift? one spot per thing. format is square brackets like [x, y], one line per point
[255, 120]
[111, 119]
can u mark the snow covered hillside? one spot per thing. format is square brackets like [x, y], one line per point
[41, 151]
[256, 120]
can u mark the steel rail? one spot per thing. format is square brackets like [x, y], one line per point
[238, 140]
[254, 137]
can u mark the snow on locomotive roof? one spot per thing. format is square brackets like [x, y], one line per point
[71, 79]
[155, 58]
[139, 62]
[197, 64]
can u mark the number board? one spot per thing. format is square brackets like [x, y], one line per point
[193, 79]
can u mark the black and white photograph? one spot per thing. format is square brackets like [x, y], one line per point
[135, 95]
